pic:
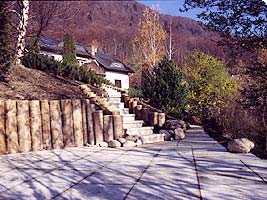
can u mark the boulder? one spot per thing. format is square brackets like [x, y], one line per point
[173, 124]
[167, 134]
[122, 140]
[132, 138]
[103, 144]
[179, 134]
[139, 142]
[242, 145]
[114, 144]
[129, 144]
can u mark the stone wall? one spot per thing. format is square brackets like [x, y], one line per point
[30, 125]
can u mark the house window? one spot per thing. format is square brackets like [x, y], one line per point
[118, 83]
[118, 65]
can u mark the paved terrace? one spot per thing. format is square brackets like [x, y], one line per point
[195, 168]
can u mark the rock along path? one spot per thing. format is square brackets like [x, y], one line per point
[195, 168]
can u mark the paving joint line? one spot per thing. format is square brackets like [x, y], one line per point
[47, 171]
[92, 173]
[198, 180]
[149, 164]
[253, 171]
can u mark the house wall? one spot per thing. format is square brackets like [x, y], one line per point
[59, 57]
[112, 76]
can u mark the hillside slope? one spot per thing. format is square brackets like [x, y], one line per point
[114, 24]
[25, 83]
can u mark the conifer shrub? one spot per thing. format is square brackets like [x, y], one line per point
[134, 92]
[69, 49]
[165, 88]
[72, 71]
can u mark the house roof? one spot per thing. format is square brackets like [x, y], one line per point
[111, 64]
[106, 61]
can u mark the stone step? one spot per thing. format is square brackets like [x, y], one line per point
[128, 117]
[113, 99]
[152, 138]
[113, 93]
[124, 111]
[117, 105]
[133, 124]
[140, 131]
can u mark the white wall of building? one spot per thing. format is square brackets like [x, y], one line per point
[112, 76]
[57, 57]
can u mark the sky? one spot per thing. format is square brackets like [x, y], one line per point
[171, 7]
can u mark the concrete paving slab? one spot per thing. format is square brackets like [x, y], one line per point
[234, 192]
[194, 168]
[96, 192]
[164, 192]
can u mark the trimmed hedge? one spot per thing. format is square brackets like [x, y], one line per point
[75, 72]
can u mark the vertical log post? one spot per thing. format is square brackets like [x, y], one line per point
[11, 127]
[46, 130]
[67, 123]
[126, 101]
[24, 132]
[98, 126]
[56, 124]
[90, 122]
[2, 128]
[153, 118]
[117, 126]
[84, 119]
[108, 128]
[161, 119]
[133, 106]
[145, 115]
[36, 125]
[130, 105]
[138, 111]
[77, 122]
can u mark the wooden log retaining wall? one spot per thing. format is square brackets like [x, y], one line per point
[150, 115]
[29, 125]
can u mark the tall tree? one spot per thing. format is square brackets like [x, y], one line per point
[5, 35]
[166, 88]
[44, 12]
[170, 45]
[69, 48]
[22, 28]
[151, 39]
[244, 26]
[210, 84]
[242, 22]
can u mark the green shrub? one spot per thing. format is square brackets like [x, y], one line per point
[165, 87]
[75, 72]
[69, 48]
[134, 92]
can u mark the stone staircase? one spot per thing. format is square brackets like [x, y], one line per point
[132, 126]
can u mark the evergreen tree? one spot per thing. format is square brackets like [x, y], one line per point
[69, 49]
[166, 88]
[33, 45]
[5, 35]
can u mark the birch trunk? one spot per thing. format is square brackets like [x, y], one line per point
[22, 28]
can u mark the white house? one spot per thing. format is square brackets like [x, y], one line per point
[112, 69]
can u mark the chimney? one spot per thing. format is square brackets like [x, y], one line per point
[93, 50]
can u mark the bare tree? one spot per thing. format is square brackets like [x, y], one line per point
[170, 46]
[43, 13]
[22, 28]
